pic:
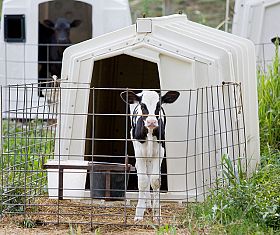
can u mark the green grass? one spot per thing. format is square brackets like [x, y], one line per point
[269, 105]
[26, 146]
[244, 206]
[166, 229]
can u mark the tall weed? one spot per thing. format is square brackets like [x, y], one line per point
[269, 104]
[243, 205]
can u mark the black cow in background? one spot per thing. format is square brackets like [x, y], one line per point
[45, 35]
[60, 40]
[54, 38]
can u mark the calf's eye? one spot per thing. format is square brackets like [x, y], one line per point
[144, 109]
[157, 109]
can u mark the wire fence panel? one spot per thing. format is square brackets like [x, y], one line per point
[265, 54]
[44, 181]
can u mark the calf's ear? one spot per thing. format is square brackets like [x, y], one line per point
[170, 97]
[75, 23]
[130, 97]
[49, 23]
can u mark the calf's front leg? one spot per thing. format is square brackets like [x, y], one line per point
[155, 183]
[143, 187]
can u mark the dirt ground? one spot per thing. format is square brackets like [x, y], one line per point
[63, 230]
[43, 213]
[15, 229]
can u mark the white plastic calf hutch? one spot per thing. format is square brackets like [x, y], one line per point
[167, 53]
[23, 38]
[258, 20]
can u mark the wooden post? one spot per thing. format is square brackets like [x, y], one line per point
[167, 9]
[60, 183]
[227, 16]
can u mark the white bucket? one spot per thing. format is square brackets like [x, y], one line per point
[74, 180]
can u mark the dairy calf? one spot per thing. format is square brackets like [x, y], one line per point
[148, 134]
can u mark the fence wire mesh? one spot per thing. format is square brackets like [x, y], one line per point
[265, 55]
[63, 165]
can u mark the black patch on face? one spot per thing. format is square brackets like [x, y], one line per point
[157, 110]
[159, 132]
[139, 132]
[145, 110]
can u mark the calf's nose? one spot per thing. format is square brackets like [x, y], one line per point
[151, 123]
[63, 41]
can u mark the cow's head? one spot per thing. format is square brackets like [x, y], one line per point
[150, 104]
[62, 28]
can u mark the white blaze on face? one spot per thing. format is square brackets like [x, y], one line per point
[149, 103]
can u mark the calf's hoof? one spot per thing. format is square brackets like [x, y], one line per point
[150, 210]
[138, 219]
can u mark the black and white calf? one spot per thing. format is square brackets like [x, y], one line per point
[148, 134]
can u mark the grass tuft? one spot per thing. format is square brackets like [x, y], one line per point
[269, 104]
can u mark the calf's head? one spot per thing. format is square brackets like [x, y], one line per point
[149, 103]
[61, 28]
